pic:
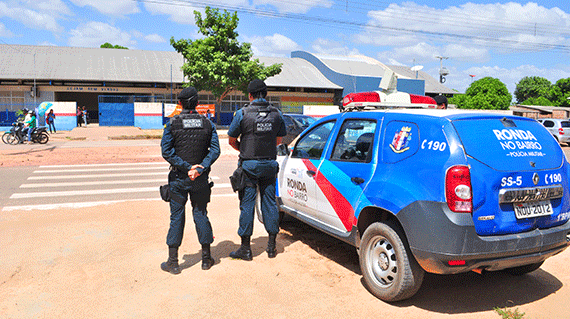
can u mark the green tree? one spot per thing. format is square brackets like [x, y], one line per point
[487, 93]
[532, 87]
[108, 45]
[561, 92]
[218, 62]
[541, 100]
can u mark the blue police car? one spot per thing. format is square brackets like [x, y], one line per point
[424, 190]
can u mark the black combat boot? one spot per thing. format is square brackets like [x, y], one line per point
[244, 251]
[207, 260]
[271, 251]
[171, 265]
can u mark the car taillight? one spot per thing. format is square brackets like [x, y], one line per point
[561, 131]
[458, 189]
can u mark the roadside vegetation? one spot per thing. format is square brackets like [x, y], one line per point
[509, 313]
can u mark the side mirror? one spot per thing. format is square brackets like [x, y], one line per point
[283, 150]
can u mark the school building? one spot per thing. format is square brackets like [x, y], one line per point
[135, 87]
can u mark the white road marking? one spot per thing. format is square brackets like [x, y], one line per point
[97, 169]
[87, 204]
[95, 192]
[106, 164]
[164, 173]
[67, 184]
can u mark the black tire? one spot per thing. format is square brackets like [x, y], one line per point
[5, 137]
[390, 271]
[522, 270]
[42, 138]
[12, 139]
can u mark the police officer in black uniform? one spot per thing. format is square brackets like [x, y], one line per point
[260, 128]
[190, 144]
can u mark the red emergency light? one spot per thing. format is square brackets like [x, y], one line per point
[361, 97]
[421, 99]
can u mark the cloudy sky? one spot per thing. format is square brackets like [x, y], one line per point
[505, 40]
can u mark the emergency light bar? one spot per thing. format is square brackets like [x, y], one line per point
[380, 100]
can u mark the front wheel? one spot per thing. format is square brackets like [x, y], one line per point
[42, 138]
[521, 270]
[12, 139]
[390, 271]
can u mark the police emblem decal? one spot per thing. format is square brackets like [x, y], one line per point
[401, 140]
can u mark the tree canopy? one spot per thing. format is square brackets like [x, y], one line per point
[108, 45]
[532, 87]
[218, 62]
[560, 93]
[487, 93]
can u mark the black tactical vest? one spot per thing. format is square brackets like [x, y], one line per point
[259, 128]
[192, 133]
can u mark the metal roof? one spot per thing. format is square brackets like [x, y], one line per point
[360, 65]
[297, 72]
[432, 85]
[88, 64]
[116, 65]
[357, 65]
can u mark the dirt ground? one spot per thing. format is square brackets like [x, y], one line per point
[103, 262]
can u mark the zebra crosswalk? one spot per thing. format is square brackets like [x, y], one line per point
[75, 186]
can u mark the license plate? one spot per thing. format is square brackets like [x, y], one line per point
[533, 209]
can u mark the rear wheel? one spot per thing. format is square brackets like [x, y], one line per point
[521, 270]
[5, 137]
[390, 271]
[42, 138]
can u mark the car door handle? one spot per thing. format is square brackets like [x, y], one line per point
[311, 173]
[357, 180]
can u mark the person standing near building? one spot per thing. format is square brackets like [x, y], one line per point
[50, 121]
[260, 128]
[79, 116]
[84, 115]
[190, 144]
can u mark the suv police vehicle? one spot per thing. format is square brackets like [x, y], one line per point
[426, 190]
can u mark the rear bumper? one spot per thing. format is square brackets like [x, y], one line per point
[437, 236]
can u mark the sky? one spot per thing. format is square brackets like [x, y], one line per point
[499, 39]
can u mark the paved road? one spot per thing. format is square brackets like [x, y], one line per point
[76, 186]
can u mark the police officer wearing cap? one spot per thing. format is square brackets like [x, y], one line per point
[441, 101]
[260, 128]
[190, 144]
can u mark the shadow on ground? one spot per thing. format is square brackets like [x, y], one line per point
[449, 294]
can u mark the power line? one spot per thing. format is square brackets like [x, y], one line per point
[492, 41]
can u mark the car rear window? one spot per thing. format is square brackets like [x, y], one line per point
[565, 124]
[508, 144]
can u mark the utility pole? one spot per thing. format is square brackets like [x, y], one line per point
[35, 75]
[442, 70]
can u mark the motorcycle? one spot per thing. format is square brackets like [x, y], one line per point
[16, 135]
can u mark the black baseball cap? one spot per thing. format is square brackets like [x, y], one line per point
[187, 93]
[256, 86]
[440, 99]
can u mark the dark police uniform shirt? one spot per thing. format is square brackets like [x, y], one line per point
[169, 153]
[235, 127]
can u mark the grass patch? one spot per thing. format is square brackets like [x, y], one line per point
[509, 313]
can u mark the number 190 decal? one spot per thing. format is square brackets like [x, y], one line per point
[434, 145]
[552, 178]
